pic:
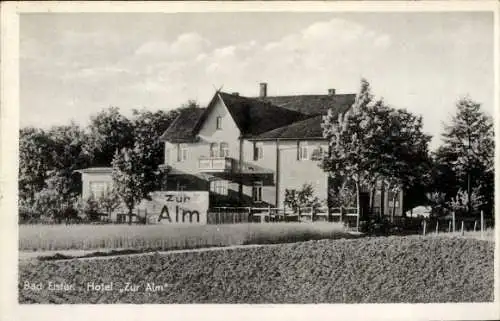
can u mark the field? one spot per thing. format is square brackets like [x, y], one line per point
[169, 237]
[409, 269]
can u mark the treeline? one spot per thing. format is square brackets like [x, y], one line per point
[374, 145]
[49, 187]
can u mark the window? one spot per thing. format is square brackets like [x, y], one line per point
[257, 192]
[219, 122]
[219, 187]
[97, 188]
[317, 153]
[258, 151]
[390, 197]
[224, 150]
[303, 151]
[213, 149]
[182, 152]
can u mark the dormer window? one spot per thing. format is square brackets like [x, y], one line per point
[219, 122]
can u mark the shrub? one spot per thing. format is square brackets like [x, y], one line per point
[460, 203]
[304, 197]
[344, 196]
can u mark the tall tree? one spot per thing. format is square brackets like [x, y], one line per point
[348, 136]
[404, 159]
[148, 127]
[67, 155]
[109, 131]
[373, 143]
[129, 179]
[468, 149]
[34, 161]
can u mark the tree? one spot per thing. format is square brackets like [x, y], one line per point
[129, 179]
[108, 201]
[148, 127]
[304, 197]
[109, 131]
[463, 201]
[468, 151]
[34, 163]
[373, 143]
[349, 137]
[405, 161]
[67, 155]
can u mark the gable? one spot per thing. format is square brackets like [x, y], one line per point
[207, 127]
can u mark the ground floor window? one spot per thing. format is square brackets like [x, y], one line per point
[393, 199]
[257, 192]
[219, 187]
[121, 218]
[97, 189]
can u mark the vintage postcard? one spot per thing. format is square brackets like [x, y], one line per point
[217, 159]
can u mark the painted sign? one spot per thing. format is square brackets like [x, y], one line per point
[179, 207]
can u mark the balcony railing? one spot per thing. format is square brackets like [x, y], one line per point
[215, 164]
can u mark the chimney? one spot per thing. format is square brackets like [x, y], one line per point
[263, 90]
[236, 93]
[331, 91]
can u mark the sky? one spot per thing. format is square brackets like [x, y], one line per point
[73, 65]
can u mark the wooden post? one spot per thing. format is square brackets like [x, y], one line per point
[437, 227]
[482, 225]
[475, 225]
[449, 226]
[453, 218]
[462, 229]
[341, 215]
[357, 219]
[425, 226]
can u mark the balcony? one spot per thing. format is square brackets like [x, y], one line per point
[215, 164]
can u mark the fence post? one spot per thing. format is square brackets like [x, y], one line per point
[475, 225]
[357, 219]
[449, 226]
[453, 218]
[425, 226]
[462, 229]
[482, 225]
[437, 227]
[341, 215]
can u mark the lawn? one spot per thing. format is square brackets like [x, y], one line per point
[169, 237]
[411, 269]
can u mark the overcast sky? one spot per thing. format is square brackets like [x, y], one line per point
[73, 65]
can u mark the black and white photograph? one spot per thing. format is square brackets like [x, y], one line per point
[217, 156]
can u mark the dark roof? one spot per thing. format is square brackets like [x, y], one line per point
[254, 116]
[305, 129]
[182, 128]
[263, 118]
[312, 104]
